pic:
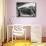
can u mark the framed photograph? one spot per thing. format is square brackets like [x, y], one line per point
[26, 9]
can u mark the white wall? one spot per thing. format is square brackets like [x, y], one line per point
[40, 14]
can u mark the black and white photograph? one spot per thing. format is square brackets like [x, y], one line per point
[26, 9]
